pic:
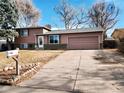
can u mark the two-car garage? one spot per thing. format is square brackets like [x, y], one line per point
[90, 42]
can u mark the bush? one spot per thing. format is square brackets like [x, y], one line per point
[55, 46]
[31, 46]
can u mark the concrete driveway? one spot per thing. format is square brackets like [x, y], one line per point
[74, 71]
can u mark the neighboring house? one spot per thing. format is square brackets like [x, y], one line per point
[41, 37]
[118, 35]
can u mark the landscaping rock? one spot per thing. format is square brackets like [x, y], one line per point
[10, 68]
[38, 64]
[35, 64]
[6, 69]
[1, 70]
[30, 65]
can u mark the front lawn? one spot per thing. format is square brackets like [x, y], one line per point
[27, 57]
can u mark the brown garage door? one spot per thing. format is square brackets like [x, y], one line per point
[83, 42]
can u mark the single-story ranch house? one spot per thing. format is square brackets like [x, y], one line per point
[118, 35]
[44, 38]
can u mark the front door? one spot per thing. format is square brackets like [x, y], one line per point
[40, 41]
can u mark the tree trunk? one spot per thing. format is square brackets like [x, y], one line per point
[104, 35]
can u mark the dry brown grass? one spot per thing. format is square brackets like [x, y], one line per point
[28, 56]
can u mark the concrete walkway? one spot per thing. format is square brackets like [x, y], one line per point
[73, 71]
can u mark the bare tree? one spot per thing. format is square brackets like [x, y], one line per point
[29, 15]
[70, 16]
[80, 18]
[103, 14]
[35, 17]
[66, 12]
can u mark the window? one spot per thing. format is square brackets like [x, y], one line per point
[54, 39]
[24, 33]
[24, 45]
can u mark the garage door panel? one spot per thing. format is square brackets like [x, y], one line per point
[85, 46]
[83, 42]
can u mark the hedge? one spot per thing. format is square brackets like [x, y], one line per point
[55, 46]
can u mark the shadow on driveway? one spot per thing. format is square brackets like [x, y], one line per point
[112, 67]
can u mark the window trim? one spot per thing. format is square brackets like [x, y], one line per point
[57, 38]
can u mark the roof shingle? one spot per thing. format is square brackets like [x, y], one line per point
[83, 30]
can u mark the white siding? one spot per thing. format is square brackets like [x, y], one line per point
[45, 31]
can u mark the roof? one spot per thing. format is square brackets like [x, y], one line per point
[40, 27]
[82, 30]
[118, 33]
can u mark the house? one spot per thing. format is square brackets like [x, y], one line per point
[44, 38]
[118, 35]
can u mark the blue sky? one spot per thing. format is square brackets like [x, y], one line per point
[48, 16]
